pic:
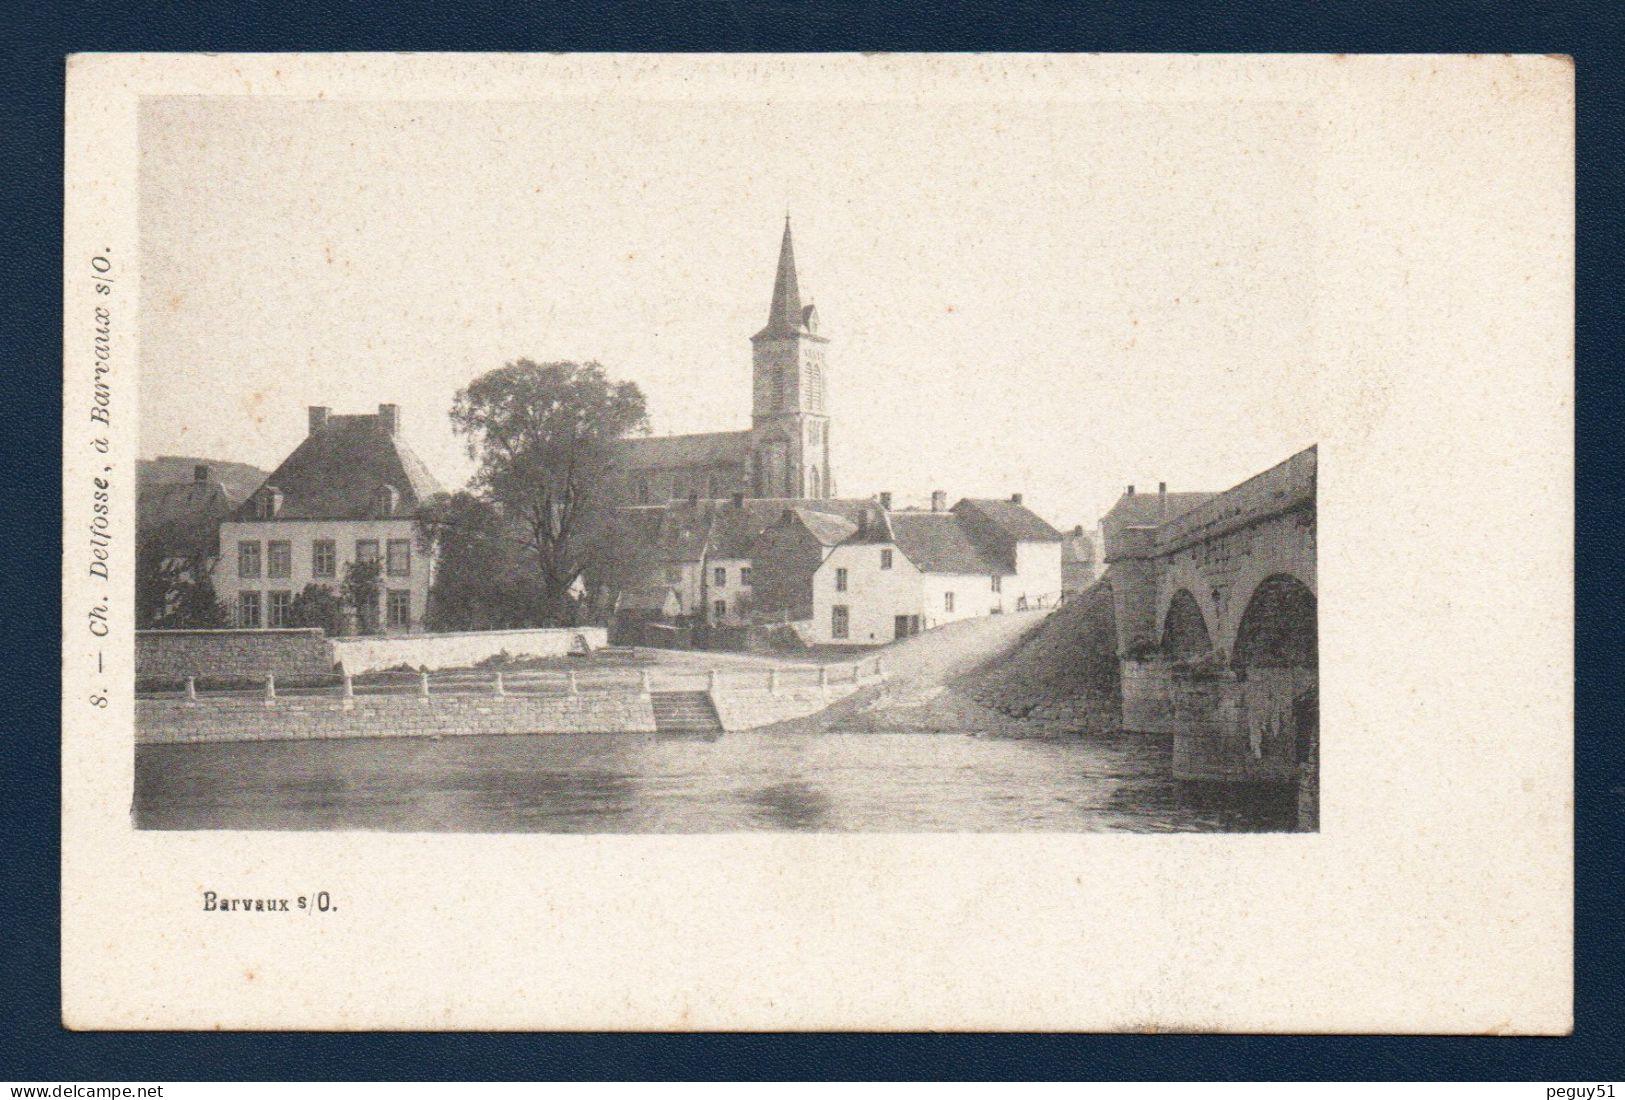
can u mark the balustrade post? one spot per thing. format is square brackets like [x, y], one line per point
[823, 677]
[423, 685]
[270, 688]
[575, 689]
[643, 682]
[499, 688]
[191, 689]
[773, 680]
[711, 680]
[347, 699]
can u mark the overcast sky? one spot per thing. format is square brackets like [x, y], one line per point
[1056, 300]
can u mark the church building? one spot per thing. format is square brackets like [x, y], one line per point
[785, 452]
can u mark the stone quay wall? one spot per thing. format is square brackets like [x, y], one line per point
[299, 718]
[437, 651]
[167, 656]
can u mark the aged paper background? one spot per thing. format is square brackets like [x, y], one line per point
[1437, 896]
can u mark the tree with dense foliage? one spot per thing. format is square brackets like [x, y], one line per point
[543, 436]
[174, 594]
[361, 587]
[483, 579]
[319, 606]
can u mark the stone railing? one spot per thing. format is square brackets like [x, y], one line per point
[409, 704]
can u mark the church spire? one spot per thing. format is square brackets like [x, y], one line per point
[785, 313]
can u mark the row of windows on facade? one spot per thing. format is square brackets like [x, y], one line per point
[719, 576]
[278, 557]
[386, 501]
[276, 608]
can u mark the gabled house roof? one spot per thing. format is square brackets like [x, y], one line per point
[1016, 520]
[677, 451]
[941, 542]
[658, 598]
[182, 519]
[671, 530]
[827, 528]
[336, 472]
[1150, 509]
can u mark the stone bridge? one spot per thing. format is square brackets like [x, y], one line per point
[1216, 628]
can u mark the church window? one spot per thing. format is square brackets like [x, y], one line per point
[812, 480]
[839, 621]
[719, 577]
[744, 576]
[840, 580]
[719, 610]
[998, 583]
[947, 601]
[885, 559]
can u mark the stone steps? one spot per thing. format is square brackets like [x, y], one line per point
[685, 712]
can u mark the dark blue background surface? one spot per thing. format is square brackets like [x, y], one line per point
[35, 1048]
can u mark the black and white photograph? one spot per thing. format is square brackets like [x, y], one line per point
[656, 542]
[872, 471]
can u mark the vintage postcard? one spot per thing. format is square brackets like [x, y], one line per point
[818, 542]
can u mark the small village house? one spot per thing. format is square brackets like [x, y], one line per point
[882, 574]
[350, 492]
[1078, 561]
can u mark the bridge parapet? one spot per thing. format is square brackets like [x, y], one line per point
[1282, 488]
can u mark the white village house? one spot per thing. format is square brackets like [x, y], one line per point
[349, 492]
[891, 574]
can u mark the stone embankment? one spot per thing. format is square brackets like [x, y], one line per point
[305, 718]
[1019, 675]
[523, 703]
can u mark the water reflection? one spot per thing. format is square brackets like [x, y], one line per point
[791, 806]
[645, 783]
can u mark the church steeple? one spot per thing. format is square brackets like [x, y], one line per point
[789, 424]
[784, 315]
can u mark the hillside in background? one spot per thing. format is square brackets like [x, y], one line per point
[238, 478]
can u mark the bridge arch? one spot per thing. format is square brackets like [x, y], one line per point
[1279, 626]
[1185, 633]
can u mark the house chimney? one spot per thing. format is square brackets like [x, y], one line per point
[1015, 498]
[1162, 498]
[389, 418]
[939, 500]
[200, 473]
[1078, 531]
[885, 501]
[318, 418]
[739, 500]
[1131, 490]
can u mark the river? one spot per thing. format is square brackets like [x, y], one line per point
[639, 783]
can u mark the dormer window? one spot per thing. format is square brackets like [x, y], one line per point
[268, 502]
[388, 499]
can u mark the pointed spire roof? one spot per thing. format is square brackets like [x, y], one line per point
[785, 315]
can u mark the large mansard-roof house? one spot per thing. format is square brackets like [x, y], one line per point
[349, 492]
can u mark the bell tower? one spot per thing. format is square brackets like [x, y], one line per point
[789, 422]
